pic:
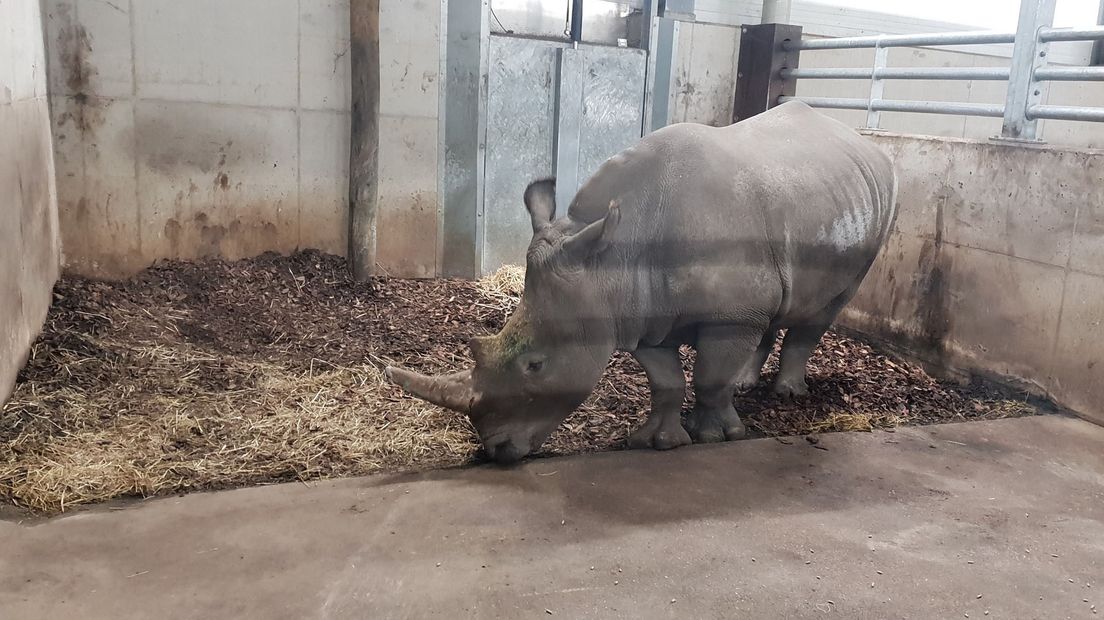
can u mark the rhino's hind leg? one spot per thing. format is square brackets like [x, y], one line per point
[797, 347]
[723, 350]
[749, 374]
[663, 430]
[799, 344]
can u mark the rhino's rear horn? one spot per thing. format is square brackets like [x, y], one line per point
[453, 391]
[596, 237]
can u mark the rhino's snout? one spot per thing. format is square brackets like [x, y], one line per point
[504, 451]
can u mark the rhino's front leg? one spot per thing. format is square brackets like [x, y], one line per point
[663, 430]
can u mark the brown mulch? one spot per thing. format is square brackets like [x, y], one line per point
[216, 374]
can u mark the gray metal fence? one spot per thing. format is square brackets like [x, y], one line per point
[1029, 69]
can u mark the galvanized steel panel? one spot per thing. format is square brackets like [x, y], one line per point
[520, 121]
[613, 104]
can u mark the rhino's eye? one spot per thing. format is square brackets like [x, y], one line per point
[534, 366]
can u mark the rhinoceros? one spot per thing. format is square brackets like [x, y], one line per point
[711, 237]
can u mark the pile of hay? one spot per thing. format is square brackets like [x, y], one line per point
[212, 374]
[179, 419]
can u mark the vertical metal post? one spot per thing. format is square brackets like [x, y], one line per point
[1028, 54]
[576, 31]
[567, 134]
[659, 88]
[877, 87]
[759, 82]
[776, 12]
[1098, 46]
[462, 135]
[650, 9]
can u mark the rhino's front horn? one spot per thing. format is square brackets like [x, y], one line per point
[453, 391]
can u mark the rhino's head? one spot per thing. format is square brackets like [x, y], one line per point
[552, 351]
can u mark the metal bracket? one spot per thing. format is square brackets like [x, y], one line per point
[759, 81]
[877, 87]
[1028, 55]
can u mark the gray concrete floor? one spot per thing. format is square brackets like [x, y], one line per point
[1002, 517]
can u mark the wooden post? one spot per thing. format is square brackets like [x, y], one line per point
[364, 152]
[758, 83]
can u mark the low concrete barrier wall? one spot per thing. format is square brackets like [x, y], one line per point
[996, 265]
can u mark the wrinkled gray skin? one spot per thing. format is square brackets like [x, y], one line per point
[712, 237]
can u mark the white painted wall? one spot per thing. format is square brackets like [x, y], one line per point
[221, 127]
[28, 207]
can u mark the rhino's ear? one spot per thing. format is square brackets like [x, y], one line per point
[540, 200]
[595, 238]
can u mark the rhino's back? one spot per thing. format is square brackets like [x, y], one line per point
[776, 160]
[789, 205]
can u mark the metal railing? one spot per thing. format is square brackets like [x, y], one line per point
[1028, 71]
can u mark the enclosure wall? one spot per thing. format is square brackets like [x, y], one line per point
[186, 129]
[28, 208]
[996, 265]
[207, 127]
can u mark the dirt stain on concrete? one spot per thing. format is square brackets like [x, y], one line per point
[84, 108]
[933, 290]
[198, 236]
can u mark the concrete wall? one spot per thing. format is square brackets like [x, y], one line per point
[996, 264]
[705, 74]
[215, 127]
[28, 207]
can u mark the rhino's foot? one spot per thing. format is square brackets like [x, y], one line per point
[713, 425]
[791, 390]
[745, 382]
[659, 436]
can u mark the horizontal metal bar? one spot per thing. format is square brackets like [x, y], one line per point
[944, 73]
[1069, 74]
[827, 74]
[1092, 33]
[887, 105]
[829, 102]
[1066, 113]
[969, 37]
[899, 73]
